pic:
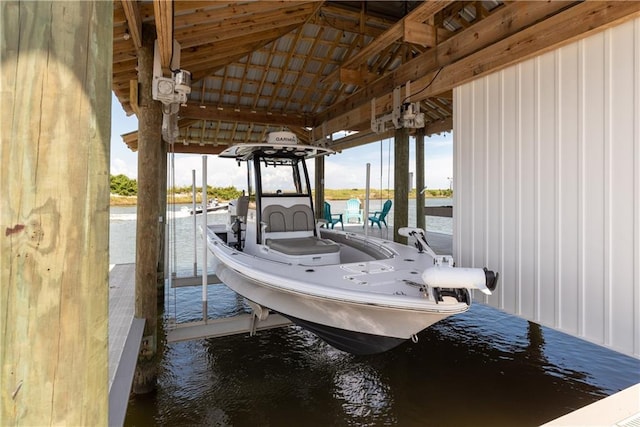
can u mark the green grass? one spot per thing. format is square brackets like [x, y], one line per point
[330, 194]
[357, 193]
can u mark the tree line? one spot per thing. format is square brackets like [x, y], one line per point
[122, 185]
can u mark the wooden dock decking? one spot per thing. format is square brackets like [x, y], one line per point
[125, 335]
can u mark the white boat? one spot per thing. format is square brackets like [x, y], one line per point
[361, 294]
[212, 206]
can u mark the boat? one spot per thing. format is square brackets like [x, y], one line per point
[212, 206]
[359, 293]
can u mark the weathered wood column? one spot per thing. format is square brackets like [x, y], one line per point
[319, 187]
[148, 216]
[54, 215]
[420, 219]
[162, 207]
[401, 183]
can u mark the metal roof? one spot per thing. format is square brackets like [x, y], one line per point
[313, 67]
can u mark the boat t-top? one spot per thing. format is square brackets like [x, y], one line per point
[359, 293]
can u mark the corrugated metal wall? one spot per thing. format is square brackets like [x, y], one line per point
[547, 186]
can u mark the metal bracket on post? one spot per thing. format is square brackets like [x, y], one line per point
[403, 114]
[323, 140]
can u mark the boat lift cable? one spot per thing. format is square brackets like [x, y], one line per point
[388, 168]
[171, 235]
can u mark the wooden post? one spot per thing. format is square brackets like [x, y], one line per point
[162, 207]
[319, 187]
[54, 217]
[401, 183]
[148, 216]
[420, 219]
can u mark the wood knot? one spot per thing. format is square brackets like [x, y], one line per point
[18, 228]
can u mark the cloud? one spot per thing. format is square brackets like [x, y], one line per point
[220, 172]
[121, 167]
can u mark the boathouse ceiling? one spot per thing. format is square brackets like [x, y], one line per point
[313, 67]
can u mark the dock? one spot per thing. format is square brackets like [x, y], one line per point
[125, 335]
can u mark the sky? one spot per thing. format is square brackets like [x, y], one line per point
[342, 170]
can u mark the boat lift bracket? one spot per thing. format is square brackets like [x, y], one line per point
[258, 314]
[403, 114]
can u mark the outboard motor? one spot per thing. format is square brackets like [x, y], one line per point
[491, 278]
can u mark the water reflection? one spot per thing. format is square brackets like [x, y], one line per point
[480, 368]
[483, 367]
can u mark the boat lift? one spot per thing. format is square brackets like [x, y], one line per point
[260, 317]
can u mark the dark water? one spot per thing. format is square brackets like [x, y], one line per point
[480, 368]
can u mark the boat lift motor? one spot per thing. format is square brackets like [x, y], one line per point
[171, 91]
[403, 115]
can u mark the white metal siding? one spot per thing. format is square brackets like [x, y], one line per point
[547, 186]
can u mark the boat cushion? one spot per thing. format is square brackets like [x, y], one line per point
[295, 218]
[303, 246]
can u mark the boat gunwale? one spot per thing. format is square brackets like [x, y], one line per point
[229, 256]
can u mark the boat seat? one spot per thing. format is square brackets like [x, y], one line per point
[295, 218]
[291, 231]
[303, 246]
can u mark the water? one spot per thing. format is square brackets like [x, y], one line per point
[483, 367]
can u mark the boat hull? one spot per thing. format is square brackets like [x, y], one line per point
[355, 328]
[353, 342]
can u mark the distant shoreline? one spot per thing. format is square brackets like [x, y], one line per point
[183, 198]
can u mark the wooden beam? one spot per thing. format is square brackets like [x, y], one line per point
[231, 47]
[567, 26]
[54, 215]
[419, 33]
[134, 21]
[233, 114]
[507, 21]
[218, 11]
[241, 27]
[358, 77]
[358, 139]
[347, 21]
[163, 16]
[396, 32]
[133, 96]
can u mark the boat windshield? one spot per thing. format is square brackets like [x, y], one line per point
[283, 177]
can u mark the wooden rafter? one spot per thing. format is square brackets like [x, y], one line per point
[396, 32]
[213, 58]
[315, 83]
[134, 21]
[232, 113]
[163, 13]
[507, 21]
[269, 65]
[314, 44]
[283, 70]
[575, 22]
[342, 19]
[241, 28]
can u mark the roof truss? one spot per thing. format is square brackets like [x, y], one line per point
[314, 67]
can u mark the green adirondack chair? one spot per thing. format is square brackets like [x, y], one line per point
[380, 216]
[332, 219]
